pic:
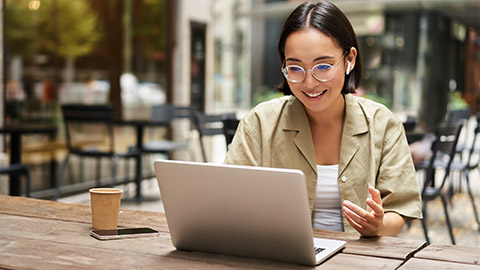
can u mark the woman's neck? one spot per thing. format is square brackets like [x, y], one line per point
[332, 115]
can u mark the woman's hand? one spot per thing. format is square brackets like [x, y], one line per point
[373, 221]
[367, 222]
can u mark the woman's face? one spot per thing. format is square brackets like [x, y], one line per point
[307, 48]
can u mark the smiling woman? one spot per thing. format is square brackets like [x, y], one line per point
[353, 151]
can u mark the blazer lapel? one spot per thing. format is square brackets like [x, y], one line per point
[297, 121]
[355, 124]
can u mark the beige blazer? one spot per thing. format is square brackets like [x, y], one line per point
[374, 151]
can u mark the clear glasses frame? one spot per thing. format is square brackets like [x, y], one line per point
[317, 70]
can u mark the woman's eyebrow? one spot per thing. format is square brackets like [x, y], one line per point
[293, 59]
[323, 58]
[314, 60]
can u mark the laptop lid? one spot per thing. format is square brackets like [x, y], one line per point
[238, 210]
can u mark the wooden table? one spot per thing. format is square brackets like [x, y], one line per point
[40, 234]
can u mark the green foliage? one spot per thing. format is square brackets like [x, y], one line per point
[377, 98]
[20, 26]
[457, 102]
[73, 23]
[66, 27]
[265, 94]
[150, 25]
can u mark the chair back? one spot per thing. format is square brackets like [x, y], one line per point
[229, 128]
[89, 127]
[443, 152]
[454, 116]
[473, 149]
[410, 124]
[209, 125]
[167, 112]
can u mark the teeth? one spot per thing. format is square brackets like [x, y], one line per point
[314, 95]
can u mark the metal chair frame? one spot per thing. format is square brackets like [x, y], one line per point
[85, 114]
[230, 126]
[443, 153]
[210, 125]
[168, 113]
[18, 169]
[465, 167]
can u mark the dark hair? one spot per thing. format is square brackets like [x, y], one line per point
[330, 20]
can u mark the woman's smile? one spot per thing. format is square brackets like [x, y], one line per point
[314, 95]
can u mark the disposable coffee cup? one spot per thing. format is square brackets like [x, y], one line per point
[105, 204]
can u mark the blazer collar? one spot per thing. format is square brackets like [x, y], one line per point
[355, 123]
[297, 121]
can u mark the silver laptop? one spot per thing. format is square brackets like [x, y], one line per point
[243, 211]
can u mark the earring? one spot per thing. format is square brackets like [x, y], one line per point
[348, 67]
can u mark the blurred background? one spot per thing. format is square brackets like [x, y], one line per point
[219, 54]
[420, 57]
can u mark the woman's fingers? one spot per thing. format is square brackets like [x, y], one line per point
[375, 194]
[365, 222]
[358, 223]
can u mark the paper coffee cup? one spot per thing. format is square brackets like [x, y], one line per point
[105, 203]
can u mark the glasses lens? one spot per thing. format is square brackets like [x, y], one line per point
[323, 72]
[294, 73]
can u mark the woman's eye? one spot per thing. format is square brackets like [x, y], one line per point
[323, 67]
[295, 69]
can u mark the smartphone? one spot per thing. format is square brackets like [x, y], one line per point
[122, 233]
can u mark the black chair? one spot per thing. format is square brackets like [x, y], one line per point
[18, 169]
[472, 163]
[168, 113]
[443, 153]
[89, 131]
[455, 116]
[209, 125]
[230, 125]
[410, 124]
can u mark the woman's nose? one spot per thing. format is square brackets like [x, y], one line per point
[309, 80]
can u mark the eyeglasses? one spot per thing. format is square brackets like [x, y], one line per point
[321, 72]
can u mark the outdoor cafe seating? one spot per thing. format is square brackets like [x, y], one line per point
[211, 125]
[168, 114]
[90, 134]
[18, 169]
[443, 152]
[229, 128]
[94, 123]
[465, 166]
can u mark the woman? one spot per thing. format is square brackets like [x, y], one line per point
[353, 151]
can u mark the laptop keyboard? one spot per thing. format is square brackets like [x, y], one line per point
[318, 250]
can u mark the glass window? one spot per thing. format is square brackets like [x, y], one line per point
[83, 51]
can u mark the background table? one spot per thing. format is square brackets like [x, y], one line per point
[139, 125]
[40, 234]
[16, 132]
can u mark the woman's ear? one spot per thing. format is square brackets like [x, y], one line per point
[351, 57]
[348, 67]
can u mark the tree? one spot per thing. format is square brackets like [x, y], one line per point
[62, 28]
[20, 25]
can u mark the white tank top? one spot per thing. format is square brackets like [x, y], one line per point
[327, 212]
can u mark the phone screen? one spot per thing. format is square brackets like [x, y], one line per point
[122, 233]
